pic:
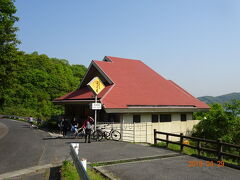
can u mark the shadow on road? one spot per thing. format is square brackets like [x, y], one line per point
[59, 137]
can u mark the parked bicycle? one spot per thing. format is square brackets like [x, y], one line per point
[80, 133]
[96, 135]
[102, 132]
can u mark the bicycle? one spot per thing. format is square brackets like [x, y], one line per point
[96, 135]
[112, 134]
[80, 133]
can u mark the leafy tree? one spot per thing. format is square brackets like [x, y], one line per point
[221, 122]
[8, 51]
[41, 80]
[29, 82]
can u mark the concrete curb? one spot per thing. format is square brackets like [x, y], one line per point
[24, 171]
[144, 158]
[105, 173]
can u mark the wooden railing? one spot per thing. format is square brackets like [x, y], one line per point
[218, 143]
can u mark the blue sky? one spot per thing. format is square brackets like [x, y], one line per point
[194, 43]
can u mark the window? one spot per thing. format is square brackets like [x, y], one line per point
[183, 117]
[165, 118]
[136, 118]
[112, 117]
[154, 118]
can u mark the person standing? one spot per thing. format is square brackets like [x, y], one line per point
[88, 128]
[74, 127]
[31, 121]
[64, 127]
[60, 125]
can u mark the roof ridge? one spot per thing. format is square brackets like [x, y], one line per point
[112, 58]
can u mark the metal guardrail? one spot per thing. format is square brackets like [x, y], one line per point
[13, 117]
[74, 147]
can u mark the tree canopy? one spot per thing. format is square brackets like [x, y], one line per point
[39, 80]
[221, 122]
[29, 82]
[8, 49]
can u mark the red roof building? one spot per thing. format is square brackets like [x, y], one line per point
[134, 94]
[132, 86]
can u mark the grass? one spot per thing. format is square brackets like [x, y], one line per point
[191, 151]
[69, 172]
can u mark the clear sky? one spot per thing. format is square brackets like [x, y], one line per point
[195, 43]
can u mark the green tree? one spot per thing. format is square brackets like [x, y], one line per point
[41, 80]
[8, 51]
[221, 122]
[29, 82]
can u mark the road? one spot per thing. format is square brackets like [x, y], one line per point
[172, 168]
[22, 147]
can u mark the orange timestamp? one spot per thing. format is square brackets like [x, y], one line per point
[205, 163]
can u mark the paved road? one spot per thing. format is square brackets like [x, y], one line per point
[173, 168]
[114, 150]
[22, 147]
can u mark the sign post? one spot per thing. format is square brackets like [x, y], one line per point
[95, 121]
[96, 86]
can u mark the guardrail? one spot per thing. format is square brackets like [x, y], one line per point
[13, 117]
[218, 143]
[81, 166]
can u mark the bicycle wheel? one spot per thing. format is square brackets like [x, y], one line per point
[107, 135]
[81, 135]
[115, 135]
[97, 135]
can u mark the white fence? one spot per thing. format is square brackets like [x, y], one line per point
[143, 132]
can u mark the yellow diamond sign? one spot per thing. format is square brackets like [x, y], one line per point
[96, 85]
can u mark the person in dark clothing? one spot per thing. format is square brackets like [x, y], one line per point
[74, 127]
[64, 127]
[60, 125]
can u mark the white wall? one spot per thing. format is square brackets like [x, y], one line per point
[143, 132]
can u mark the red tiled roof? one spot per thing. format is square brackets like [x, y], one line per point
[135, 84]
[82, 94]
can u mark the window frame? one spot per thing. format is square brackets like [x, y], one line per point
[156, 115]
[163, 117]
[185, 117]
[138, 120]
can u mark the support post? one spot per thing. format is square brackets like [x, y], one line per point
[199, 147]
[75, 147]
[239, 155]
[122, 122]
[167, 138]
[134, 132]
[95, 121]
[219, 143]
[146, 132]
[181, 142]
[155, 137]
[84, 163]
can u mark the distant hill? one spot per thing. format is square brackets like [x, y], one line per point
[220, 99]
